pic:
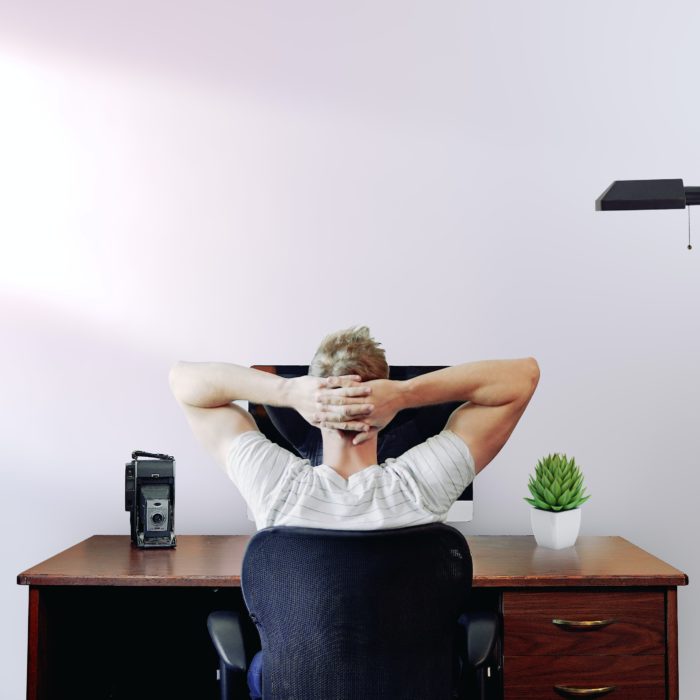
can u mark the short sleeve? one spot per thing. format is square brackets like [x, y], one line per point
[439, 468]
[257, 466]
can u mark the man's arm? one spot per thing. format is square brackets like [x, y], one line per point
[206, 390]
[485, 383]
[497, 393]
[485, 429]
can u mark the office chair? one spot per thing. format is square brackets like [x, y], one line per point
[357, 614]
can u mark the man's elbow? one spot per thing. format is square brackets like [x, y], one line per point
[534, 370]
[174, 378]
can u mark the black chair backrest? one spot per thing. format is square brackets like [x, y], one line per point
[357, 614]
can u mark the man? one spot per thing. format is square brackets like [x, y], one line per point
[348, 396]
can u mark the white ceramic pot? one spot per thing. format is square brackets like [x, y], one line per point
[555, 530]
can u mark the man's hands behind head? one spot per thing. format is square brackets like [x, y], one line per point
[347, 403]
[384, 396]
[339, 400]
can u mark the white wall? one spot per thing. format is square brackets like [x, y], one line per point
[229, 181]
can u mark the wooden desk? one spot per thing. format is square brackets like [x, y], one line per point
[107, 620]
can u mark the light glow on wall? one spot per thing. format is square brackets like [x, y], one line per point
[41, 184]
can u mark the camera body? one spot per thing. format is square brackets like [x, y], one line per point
[150, 498]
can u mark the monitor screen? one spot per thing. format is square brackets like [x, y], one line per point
[410, 427]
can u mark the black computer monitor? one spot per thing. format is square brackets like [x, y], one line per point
[410, 427]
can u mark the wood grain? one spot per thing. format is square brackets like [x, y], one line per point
[500, 561]
[111, 560]
[672, 643]
[639, 626]
[36, 646]
[634, 677]
[515, 560]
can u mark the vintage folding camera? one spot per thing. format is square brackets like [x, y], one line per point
[150, 498]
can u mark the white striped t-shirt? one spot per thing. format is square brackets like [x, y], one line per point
[417, 488]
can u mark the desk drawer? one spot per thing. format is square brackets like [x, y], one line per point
[536, 677]
[638, 626]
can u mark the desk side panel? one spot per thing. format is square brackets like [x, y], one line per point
[672, 643]
[36, 646]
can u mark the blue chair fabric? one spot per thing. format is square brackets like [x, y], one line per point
[357, 614]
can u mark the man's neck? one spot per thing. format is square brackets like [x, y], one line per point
[346, 458]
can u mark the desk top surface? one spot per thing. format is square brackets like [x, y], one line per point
[500, 561]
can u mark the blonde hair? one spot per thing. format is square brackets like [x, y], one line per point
[350, 351]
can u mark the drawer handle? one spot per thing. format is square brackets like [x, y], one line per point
[584, 692]
[582, 624]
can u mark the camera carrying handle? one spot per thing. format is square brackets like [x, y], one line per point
[140, 453]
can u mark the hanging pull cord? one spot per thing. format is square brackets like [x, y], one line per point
[690, 247]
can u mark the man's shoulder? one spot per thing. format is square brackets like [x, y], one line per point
[249, 437]
[255, 445]
[436, 446]
[256, 462]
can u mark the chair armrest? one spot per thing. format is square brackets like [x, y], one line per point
[482, 630]
[225, 631]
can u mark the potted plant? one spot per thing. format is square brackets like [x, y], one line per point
[557, 493]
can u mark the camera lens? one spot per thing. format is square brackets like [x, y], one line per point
[157, 518]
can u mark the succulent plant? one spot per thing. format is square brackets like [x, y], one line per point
[558, 484]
